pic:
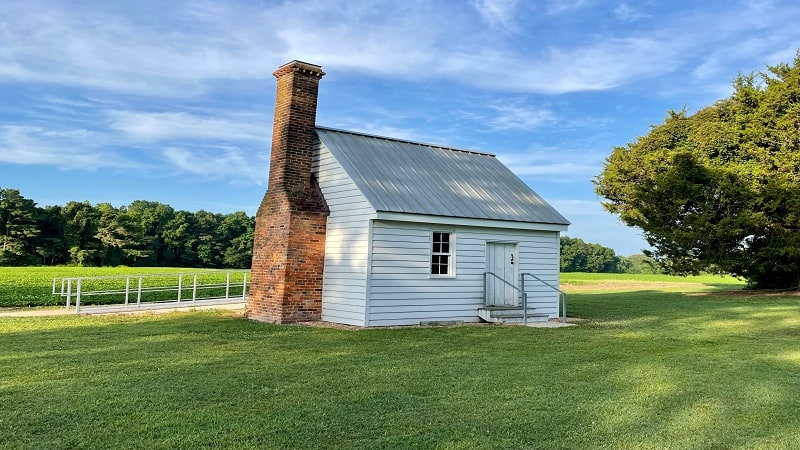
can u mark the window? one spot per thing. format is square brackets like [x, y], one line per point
[441, 253]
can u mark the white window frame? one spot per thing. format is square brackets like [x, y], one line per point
[451, 254]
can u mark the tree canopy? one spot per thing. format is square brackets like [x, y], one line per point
[579, 256]
[719, 190]
[144, 233]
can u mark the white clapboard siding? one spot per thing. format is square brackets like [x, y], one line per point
[344, 282]
[402, 292]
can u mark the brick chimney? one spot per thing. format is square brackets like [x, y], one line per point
[289, 245]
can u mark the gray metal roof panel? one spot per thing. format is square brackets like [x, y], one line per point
[409, 177]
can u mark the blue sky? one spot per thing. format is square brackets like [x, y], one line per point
[114, 101]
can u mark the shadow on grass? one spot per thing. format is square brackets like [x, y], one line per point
[648, 369]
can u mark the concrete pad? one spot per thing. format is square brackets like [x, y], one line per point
[550, 324]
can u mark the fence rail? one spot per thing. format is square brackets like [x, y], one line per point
[126, 290]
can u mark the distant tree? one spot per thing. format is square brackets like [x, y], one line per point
[150, 219]
[121, 239]
[719, 190]
[642, 264]
[180, 239]
[236, 233]
[17, 228]
[80, 228]
[579, 256]
[51, 245]
[209, 248]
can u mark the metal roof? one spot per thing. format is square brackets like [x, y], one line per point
[415, 178]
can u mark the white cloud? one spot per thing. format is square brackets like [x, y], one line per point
[497, 13]
[67, 149]
[223, 126]
[553, 164]
[516, 115]
[556, 7]
[627, 13]
[124, 47]
[226, 163]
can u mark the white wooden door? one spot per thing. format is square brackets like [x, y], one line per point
[501, 260]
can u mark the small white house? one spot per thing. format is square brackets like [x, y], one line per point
[413, 228]
[413, 233]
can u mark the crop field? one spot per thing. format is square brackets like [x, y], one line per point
[666, 363]
[33, 286]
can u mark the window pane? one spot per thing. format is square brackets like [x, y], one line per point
[440, 253]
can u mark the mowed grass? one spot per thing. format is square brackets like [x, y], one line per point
[649, 368]
[33, 286]
[692, 282]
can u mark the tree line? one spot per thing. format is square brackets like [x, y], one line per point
[144, 233]
[153, 234]
[580, 256]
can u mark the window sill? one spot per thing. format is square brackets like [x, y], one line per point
[442, 277]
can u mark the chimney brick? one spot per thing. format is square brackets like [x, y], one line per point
[289, 245]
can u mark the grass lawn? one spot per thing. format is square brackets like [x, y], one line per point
[650, 368]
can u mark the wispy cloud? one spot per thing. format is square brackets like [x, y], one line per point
[553, 164]
[225, 163]
[628, 13]
[519, 116]
[556, 7]
[110, 45]
[497, 13]
[147, 126]
[67, 149]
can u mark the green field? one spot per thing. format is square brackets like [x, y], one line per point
[701, 367]
[33, 286]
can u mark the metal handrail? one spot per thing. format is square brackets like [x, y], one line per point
[561, 294]
[523, 295]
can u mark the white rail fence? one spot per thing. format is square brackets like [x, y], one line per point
[148, 291]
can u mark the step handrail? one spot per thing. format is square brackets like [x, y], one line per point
[521, 290]
[561, 294]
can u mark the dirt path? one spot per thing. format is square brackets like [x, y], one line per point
[625, 285]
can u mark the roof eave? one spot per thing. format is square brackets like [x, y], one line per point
[472, 222]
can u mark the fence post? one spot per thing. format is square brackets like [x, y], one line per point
[244, 285]
[194, 290]
[78, 297]
[564, 307]
[127, 289]
[139, 293]
[227, 284]
[69, 291]
[180, 286]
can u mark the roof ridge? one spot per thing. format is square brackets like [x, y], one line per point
[406, 141]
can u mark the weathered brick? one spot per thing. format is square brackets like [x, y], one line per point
[289, 245]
